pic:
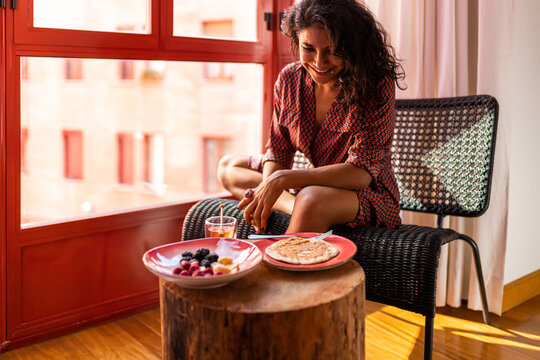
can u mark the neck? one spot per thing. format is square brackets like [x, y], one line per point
[326, 88]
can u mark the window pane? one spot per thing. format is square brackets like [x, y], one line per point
[102, 144]
[112, 15]
[236, 19]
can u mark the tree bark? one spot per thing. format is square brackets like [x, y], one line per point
[269, 314]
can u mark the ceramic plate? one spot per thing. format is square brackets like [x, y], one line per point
[346, 249]
[162, 260]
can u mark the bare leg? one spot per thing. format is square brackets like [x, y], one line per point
[236, 176]
[318, 207]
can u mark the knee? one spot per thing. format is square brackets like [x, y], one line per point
[310, 202]
[224, 167]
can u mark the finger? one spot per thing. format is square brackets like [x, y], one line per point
[249, 193]
[248, 213]
[264, 217]
[257, 215]
[244, 202]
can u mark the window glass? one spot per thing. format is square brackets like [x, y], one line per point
[131, 16]
[233, 19]
[102, 144]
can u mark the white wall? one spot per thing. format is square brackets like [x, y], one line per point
[520, 105]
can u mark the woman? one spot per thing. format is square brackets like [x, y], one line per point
[336, 105]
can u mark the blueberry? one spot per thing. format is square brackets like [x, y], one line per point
[201, 253]
[205, 263]
[187, 254]
[186, 258]
[212, 257]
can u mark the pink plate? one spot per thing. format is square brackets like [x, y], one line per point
[163, 259]
[346, 248]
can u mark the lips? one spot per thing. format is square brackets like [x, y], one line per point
[322, 73]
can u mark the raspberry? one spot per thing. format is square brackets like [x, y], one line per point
[177, 270]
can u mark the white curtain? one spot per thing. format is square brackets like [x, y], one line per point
[448, 50]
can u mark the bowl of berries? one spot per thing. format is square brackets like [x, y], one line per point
[203, 263]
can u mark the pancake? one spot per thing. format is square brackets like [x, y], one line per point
[296, 250]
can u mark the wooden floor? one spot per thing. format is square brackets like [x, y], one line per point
[391, 333]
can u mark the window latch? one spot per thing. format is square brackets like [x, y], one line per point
[268, 19]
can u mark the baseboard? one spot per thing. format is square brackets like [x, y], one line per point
[521, 290]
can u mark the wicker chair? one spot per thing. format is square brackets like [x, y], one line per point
[443, 152]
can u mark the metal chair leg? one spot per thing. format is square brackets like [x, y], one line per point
[480, 275]
[428, 338]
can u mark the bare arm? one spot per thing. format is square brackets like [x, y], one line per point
[259, 206]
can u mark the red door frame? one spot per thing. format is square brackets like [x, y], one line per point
[24, 41]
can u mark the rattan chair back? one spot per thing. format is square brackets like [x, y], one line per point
[442, 154]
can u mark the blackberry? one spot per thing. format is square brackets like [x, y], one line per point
[201, 253]
[205, 263]
[212, 257]
[187, 254]
[187, 258]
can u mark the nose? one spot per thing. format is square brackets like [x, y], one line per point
[320, 60]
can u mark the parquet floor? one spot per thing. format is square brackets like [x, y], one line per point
[391, 333]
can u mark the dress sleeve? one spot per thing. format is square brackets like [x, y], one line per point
[279, 147]
[371, 148]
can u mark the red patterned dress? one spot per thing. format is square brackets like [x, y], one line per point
[360, 134]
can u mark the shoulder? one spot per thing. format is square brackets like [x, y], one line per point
[291, 73]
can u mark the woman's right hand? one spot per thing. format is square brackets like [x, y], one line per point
[258, 202]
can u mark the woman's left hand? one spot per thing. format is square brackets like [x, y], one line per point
[258, 202]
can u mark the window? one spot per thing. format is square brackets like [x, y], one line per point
[83, 15]
[212, 12]
[218, 70]
[127, 69]
[214, 148]
[125, 158]
[153, 161]
[24, 68]
[73, 155]
[73, 69]
[24, 140]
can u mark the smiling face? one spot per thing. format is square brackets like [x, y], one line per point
[317, 56]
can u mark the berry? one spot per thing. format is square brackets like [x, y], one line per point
[185, 258]
[205, 262]
[208, 270]
[177, 270]
[197, 273]
[185, 273]
[212, 257]
[184, 264]
[218, 273]
[194, 266]
[187, 254]
[201, 253]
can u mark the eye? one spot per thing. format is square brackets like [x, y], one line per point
[307, 48]
[337, 53]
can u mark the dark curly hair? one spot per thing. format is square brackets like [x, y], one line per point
[356, 36]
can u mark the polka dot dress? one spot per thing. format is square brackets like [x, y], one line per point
[360, 134]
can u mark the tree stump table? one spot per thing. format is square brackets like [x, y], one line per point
[268, 314]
